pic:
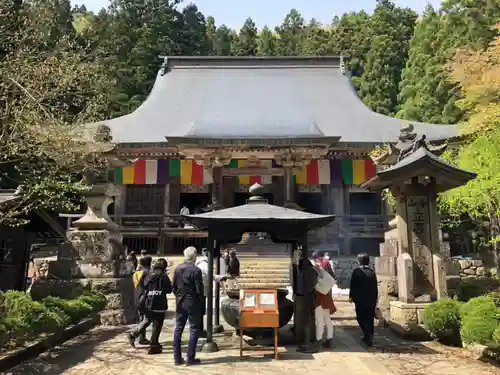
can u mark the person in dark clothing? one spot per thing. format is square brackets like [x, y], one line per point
[364, 294]
[138, 278]
[233, 266]
[303, 279]
[188, 290]
[153, 301]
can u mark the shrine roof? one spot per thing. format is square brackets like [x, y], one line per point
[258, 97]
[259, 216]
[422, 162]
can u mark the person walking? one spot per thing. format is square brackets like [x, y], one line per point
[364, 293]
[153, 300]
[324, 306]
[138, 279]
[189, 292]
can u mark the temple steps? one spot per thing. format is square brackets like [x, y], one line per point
[264, 271]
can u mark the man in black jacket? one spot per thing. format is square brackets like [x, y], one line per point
[188, 290]
[364, 294]
[153, 300]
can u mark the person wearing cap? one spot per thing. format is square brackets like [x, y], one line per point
[153, 300]
[138, 279]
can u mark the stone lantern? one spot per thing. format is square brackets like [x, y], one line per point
[412, 264]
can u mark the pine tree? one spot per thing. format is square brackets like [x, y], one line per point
[266, 42]
[316, 40]
[222, 41]
[429, 95]
[350, 37]
[391, 29]
[290, 34]
[211, 30]
[246, 42]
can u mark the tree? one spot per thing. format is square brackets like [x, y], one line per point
[425, 92]
[246, 42]
[478, 73]
[316, 40]
[428, 95]
[391, 28]
[222, 41]
[266, 42]
[290, 34]
[46, 88]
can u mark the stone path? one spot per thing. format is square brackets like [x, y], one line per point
[105, 351]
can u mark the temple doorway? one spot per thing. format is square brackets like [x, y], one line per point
[311, 202]
[194, 201]
[365, 204]
[241, 198]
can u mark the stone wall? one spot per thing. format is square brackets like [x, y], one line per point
[343, 267]
[470, 269]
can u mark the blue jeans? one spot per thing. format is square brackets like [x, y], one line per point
[182, 316]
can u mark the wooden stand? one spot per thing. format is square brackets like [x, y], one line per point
[259, 309]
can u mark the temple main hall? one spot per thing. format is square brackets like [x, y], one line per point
[213, 126]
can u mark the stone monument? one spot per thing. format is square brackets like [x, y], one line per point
[94, 255]
[412, 265]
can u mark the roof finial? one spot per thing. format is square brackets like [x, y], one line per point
[256, 191]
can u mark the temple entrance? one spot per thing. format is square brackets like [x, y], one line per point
[241, 198]
[365, 204]
[194, 201]
[311, 202]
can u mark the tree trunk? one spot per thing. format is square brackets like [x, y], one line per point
[495, 237]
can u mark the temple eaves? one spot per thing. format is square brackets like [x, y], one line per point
[259, 98]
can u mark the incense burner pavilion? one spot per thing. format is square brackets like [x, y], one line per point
[213, 126]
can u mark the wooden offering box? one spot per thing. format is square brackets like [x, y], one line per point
[259, 309]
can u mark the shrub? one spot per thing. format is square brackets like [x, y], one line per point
[34, 317]
[468, 289]
[442, 320]
[97, 301]
[473, 303]
[496, 335]
[479, 321]
[496, 298]
[75, 310]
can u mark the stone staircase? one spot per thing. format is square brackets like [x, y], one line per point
[263, 264]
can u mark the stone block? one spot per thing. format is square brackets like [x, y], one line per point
[464, 263]
[406, 320]
[439, 276]
[477, 263]
[452, 281]
[481, 271]
[389, 248]
[65, 269]
[66, 289]
[405, 278]
[469, 271]
[386, 266]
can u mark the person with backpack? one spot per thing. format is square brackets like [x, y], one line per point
[153, 301]
[138, 279]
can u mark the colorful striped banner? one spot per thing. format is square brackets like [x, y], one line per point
[317, 172]
[354, 172]
[325, 172]
[150, 172]
[250, 180]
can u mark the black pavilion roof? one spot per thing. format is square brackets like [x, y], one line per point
[259, 216]
[422, 162]
[258, 98]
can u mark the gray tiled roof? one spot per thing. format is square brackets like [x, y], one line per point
[260, 212]
[245, 97]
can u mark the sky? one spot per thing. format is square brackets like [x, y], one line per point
[272, 12]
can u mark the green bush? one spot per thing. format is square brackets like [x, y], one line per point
[496, 298]
[35, 317]
[479, 320]
[468, 289]
[473, 303]
[496, 335]
[442, 320]
[97, 301]
[23, 319]
[75, 310]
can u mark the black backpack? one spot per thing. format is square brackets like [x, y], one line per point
[154, 295]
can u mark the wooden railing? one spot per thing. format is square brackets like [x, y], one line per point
[349, 223]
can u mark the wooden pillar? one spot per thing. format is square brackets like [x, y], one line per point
[210, 346]
[289, 191]
[174, 195]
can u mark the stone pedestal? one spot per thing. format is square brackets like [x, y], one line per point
[99, 257]
[406, 319]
